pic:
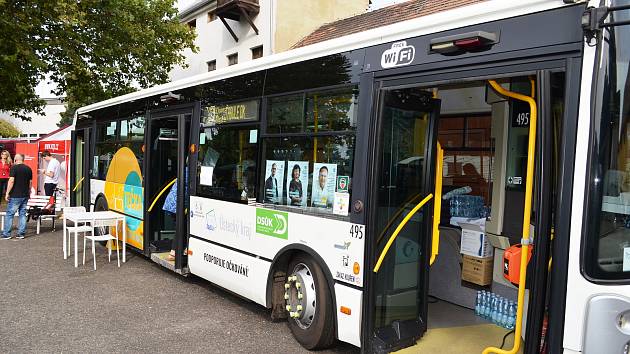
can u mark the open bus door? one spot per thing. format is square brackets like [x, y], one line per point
[167, 149]
[403, 213]
[402, 218]
[79, 188]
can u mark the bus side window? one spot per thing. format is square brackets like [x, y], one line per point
[227, 162]
[305, 172]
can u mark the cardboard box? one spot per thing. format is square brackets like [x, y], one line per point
[477, 270]
[474, 241]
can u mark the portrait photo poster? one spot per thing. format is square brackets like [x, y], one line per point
[323, 185]
[297, 183]
[274, 181]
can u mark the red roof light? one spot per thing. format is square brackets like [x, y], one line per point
[468, 43]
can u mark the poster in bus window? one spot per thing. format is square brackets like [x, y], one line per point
[297, 183]
[208, 163]
[323, 186]
[274, 178]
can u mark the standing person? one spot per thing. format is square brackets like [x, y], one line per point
[51, 173]
[17, 194]
[5, 168]
[170, 208]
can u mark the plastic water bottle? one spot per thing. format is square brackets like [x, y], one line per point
[505, 314]
[493, 308]
[496, 318]
[478, 303]
[458, 191]
[485, 307]
[503, 318]
[455, 206]
[493, 312]
[486, 304]
[511, 316]
[482, 304]
[499, 313]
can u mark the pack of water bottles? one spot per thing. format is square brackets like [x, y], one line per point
[496, 308]
[468, 206]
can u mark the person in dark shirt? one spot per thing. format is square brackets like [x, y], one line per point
[18, 190]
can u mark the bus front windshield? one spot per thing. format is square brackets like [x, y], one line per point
[607, 248]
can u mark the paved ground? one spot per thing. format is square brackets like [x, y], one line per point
[47, 305]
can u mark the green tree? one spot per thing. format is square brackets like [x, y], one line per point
[8, 130]
[91, 49]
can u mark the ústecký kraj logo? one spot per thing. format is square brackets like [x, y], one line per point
[399, 54]
[272, 223]
[343, 246]
[211, 220]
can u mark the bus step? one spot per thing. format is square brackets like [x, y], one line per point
[162, 259]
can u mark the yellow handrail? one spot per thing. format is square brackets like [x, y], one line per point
[529, 182]
[160, 194]
[78, 183]
[437, 204]
[396, 215]
[397, 231]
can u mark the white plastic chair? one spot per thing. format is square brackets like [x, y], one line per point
[80, 228]
[102, 223]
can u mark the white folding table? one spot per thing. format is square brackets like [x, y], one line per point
[87, 217]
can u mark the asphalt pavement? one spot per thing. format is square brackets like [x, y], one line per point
[48, 305]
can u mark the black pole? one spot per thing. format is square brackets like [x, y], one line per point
[180, 225]
[542, 224]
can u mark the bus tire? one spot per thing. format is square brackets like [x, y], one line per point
[100, 204]
[313, 326]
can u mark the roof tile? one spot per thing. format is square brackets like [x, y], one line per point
[381, 17]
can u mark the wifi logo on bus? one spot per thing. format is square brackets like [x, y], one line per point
[399, 54]
[272, 223]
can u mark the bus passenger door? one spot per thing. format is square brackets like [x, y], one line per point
[78, 189]
[404, 178]
[166, 198]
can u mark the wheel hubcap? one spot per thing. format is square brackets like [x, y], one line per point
[300, 296]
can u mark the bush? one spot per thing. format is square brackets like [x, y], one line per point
[8, 130]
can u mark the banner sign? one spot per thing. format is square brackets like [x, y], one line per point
[229, 113]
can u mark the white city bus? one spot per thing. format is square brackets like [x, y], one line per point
[317, 182]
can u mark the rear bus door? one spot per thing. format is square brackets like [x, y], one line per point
[170, 133]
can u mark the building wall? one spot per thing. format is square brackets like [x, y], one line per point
[280, 23]
[289, 28]
[215, 42]
[39, 125]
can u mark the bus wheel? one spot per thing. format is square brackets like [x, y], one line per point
[309, 304]
[101, 205]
